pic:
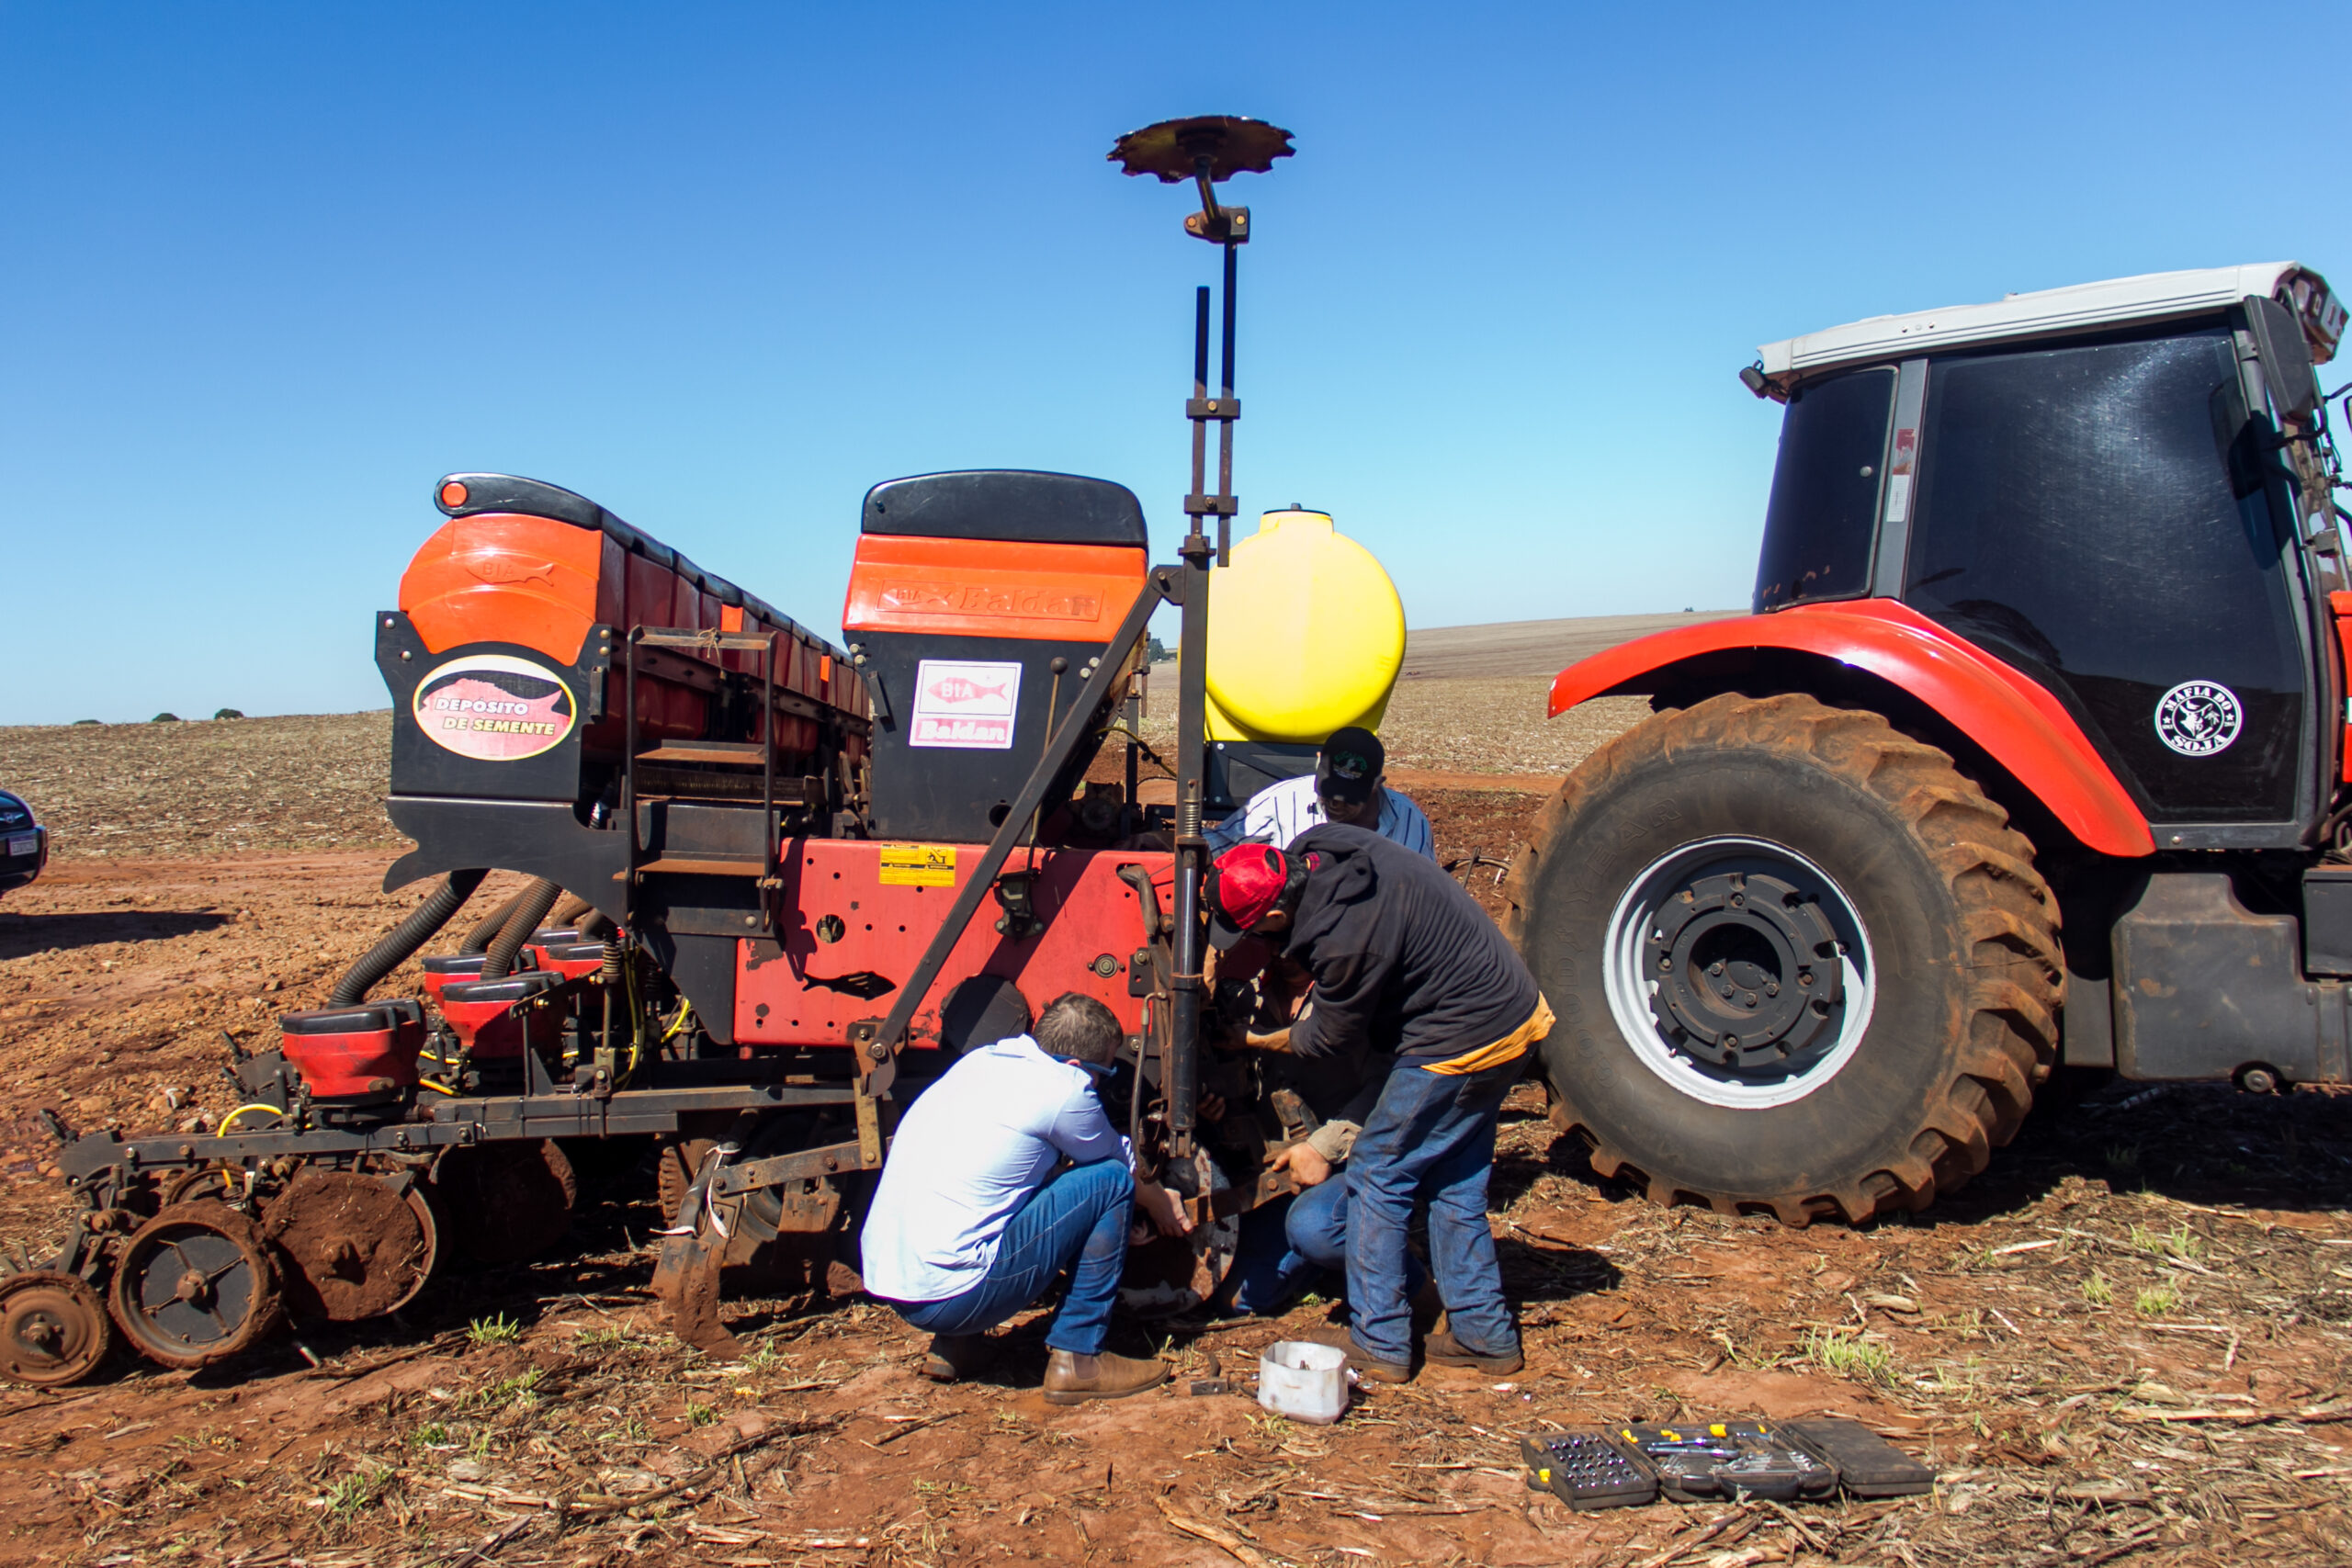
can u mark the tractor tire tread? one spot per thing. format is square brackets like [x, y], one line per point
[2015, 975]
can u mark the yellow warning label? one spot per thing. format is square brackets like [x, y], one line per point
[918, 865]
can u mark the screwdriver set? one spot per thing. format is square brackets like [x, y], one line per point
[1722, 1459]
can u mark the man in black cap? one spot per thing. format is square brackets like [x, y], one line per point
[1346, 787]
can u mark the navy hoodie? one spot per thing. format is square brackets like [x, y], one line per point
[1403, 960]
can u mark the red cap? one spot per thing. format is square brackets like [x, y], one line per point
[1246, 881]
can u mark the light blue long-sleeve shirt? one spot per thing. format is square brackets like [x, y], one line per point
[1281, 811]
[967, 1154]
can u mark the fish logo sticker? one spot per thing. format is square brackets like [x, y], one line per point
[2199, 719]
[963, 704]
[494, 708]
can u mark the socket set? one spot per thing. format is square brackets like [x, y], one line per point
[1585, 1470]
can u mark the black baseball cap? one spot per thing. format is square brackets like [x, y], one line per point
[1349, 765]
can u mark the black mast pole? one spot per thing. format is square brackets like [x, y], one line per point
[1187, 989]
[1225, 425]
[1204, 150]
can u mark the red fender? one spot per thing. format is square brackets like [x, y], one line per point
[2018, 722]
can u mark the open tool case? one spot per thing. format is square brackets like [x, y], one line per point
[1691, 1461]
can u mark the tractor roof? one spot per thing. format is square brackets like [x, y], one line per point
[2049, 313]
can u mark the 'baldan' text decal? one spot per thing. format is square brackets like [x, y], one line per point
[965, 704]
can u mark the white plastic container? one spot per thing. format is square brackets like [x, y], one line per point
[1304, 1382]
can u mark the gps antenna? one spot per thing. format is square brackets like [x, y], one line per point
[1209, 150]
[1206, 150]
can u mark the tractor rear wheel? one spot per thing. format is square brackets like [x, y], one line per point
[1801, 964]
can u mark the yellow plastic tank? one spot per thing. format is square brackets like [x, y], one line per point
[1305, 634]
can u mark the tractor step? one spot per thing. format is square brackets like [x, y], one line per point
[706, 865]
[733, 754]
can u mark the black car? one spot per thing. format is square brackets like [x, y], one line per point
[24, 843]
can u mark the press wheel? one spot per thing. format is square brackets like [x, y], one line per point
[53, 1328]
[195, 1283]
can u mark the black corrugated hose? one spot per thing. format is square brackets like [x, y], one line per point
[406, 938]
[478, 939]
[530, 909]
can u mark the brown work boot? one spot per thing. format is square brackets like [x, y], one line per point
[956, 1356]
[1444, 1349]
[1367, 1365]
[1072, 1379]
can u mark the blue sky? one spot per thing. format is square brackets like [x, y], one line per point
[267, 271]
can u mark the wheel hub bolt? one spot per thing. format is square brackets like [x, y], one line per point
[41, 1333]
[1771, 988]
[1717, 967]
[192, 1286]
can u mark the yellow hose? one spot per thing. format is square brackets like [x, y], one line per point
[435, 1088]
[685, 1015]
[222, 1131]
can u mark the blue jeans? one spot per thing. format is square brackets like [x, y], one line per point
[1287, 1244]
[1077, 1221]
[1432, 1136]
[1311, 1241]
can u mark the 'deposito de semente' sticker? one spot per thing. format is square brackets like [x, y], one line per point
[495, 708]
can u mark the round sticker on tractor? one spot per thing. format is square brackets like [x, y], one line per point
[2198, 718]
[495, 708]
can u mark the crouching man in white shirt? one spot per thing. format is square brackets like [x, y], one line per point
[977, 1213]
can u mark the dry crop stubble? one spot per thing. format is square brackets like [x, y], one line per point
[214, 787]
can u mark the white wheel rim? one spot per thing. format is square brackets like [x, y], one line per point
[1629, 986]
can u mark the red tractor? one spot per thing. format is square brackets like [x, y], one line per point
[2027, 761]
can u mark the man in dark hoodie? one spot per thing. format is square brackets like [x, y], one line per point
[1404, 963]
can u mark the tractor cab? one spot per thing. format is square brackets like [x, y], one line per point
[2100, 487]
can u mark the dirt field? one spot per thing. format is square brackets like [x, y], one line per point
[2130, 1342]
[225, 786]
[1531, 647]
